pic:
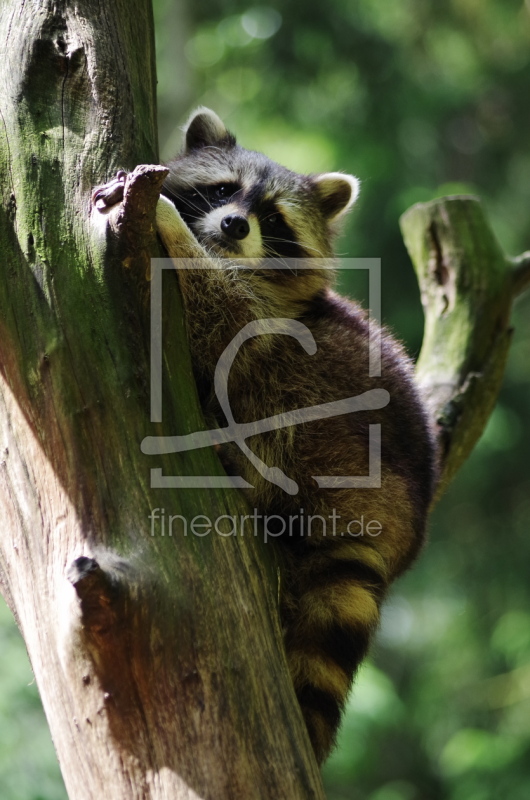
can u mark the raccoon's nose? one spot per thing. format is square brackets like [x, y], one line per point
[235, 226]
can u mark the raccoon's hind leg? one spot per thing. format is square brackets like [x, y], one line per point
[330, 613]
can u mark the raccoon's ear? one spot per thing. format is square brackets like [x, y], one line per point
[204, 129]
[336, 192]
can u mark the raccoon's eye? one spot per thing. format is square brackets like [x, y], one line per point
[223, 191]
[271, 222]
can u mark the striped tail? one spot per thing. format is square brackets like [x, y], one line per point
[330, 617]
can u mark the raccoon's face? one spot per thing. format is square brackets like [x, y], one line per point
[240, 204]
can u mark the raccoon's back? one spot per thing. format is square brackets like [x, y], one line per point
[342, 547]
[283, 377]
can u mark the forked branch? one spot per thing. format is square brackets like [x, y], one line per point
[467, 288]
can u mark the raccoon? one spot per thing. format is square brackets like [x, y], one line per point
[340, 548]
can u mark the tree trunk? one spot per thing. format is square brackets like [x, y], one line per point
[158, 659]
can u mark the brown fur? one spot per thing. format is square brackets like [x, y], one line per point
[333, 586]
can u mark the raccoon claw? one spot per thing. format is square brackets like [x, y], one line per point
[111, 193]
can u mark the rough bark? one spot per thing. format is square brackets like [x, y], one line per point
[159, 660]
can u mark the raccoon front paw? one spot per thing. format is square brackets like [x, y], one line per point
[178, 239]
[110, 193]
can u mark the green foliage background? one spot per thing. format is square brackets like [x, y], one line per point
[418, 98]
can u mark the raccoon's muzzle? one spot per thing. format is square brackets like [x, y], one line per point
[235, 226]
